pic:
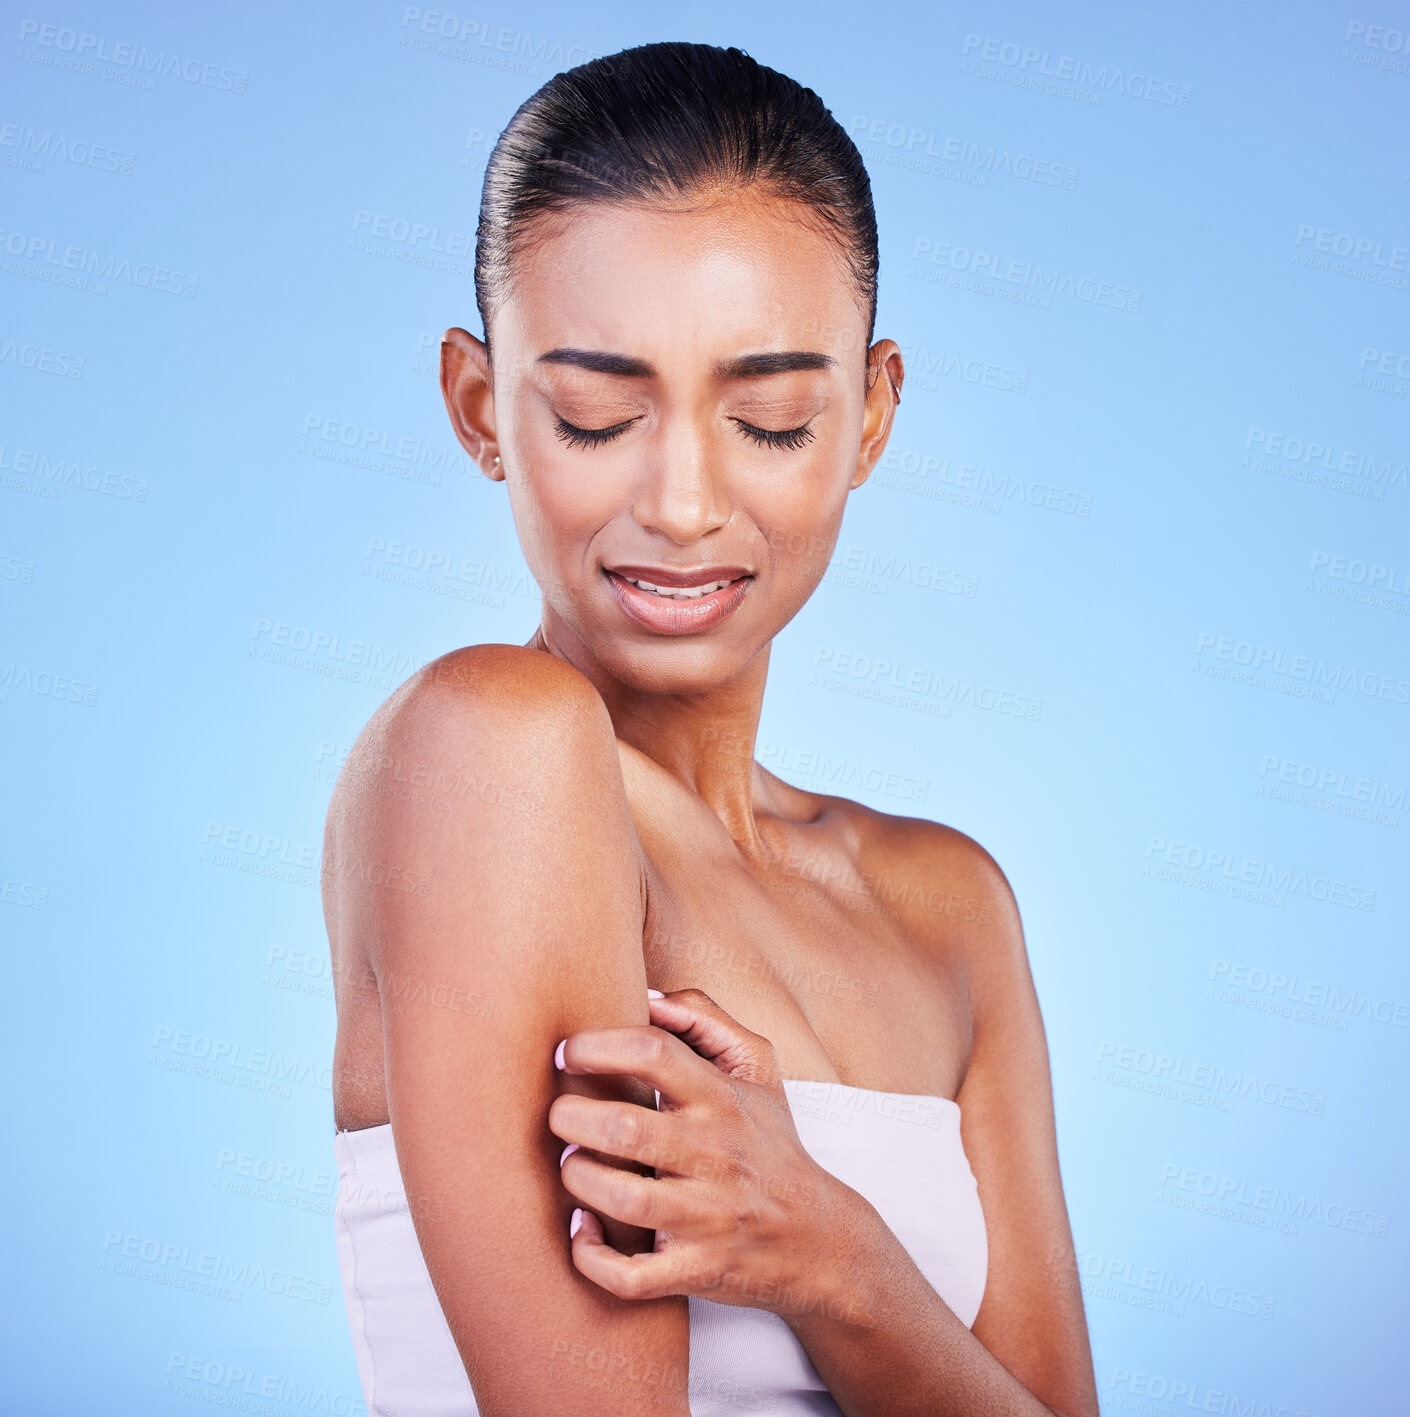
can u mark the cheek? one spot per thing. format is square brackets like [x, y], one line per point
[800, 514]
[551, 522]
[558, 495]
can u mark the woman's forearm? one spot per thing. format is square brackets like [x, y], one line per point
[887, 1345]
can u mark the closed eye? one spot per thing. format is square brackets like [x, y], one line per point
[590, 437]
[576, 437]
[781, 438]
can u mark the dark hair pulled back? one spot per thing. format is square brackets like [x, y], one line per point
[663, 122]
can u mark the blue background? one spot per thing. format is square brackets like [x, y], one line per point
[221, 421]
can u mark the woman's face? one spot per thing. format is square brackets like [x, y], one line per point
[684, 398]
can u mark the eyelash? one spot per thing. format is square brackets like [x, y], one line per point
[765, 437]
[589, 437]
[784, 438]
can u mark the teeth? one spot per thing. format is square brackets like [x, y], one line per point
[678, 592]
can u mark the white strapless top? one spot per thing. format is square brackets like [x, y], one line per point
[902, 1151]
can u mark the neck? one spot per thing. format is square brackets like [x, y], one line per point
[704, 740]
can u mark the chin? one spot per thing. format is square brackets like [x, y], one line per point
[679, 664]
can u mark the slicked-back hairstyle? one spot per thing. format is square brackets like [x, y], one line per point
[662, 123]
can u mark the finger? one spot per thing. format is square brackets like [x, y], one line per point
[645, 1276]
[619, 1129]
[585, 1228]
[648, 1203]
[672, 1068]
[694, 1017]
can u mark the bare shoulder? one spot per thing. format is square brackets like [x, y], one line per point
[488, 749]
[488, 686]
[473, 712]
[951, 892]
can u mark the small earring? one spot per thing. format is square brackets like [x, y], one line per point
[496, 462]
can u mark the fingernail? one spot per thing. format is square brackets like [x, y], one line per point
[567, 1152]
[576, 1223]
[654, 994]
[558, 1056]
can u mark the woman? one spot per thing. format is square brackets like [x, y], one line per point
[662, 1086]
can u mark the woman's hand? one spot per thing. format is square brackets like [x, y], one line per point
[742, 1214]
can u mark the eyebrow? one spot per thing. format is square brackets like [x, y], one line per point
[744, 366]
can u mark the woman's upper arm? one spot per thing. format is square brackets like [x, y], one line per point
[1032, 1317]
[481, 852]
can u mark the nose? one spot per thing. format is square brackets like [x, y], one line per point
[684, 493]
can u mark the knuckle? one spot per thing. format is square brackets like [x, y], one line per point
[742, 1211]
[721, 1165]
[616, 1195]
[622, 1127]
[647, 1046]
[695, 996]
[657, 1045]
[669, 1151]
[629, 1204]
[733, 1103]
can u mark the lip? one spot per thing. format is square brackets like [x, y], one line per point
[678, 617]
[675, 576]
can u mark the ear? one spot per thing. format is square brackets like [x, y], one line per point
[469, 396]
[885, 374]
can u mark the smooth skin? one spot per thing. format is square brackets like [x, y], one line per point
[582, 817]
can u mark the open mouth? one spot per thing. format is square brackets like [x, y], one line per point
[680, 609]
[680, 592]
